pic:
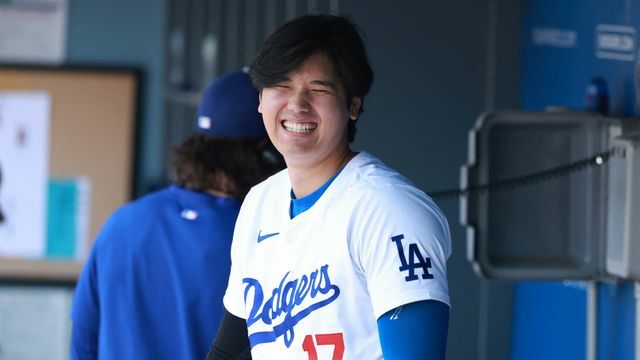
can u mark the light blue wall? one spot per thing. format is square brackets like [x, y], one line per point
[130, 33]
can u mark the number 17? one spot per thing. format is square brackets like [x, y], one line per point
[336, 340]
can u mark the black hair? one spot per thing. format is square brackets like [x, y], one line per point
[286, 50]
[233, 166]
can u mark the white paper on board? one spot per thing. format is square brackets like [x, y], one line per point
[24, 163]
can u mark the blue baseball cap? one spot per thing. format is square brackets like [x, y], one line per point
[229, 108]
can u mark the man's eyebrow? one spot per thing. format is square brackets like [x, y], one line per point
[326, 83]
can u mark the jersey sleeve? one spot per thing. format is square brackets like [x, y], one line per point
[400, 241]
[234, 295]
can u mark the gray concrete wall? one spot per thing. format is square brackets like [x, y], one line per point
[127, 33]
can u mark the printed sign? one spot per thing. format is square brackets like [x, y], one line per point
[33, 31]
[615, 42]
[560, 38]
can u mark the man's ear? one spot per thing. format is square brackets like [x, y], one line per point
[354, 111]
[260, 102]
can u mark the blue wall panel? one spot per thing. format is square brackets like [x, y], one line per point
[548, 321]
[556, 69]
[616, 315]
[566, 44]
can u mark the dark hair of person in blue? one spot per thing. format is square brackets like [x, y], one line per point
[206, 162]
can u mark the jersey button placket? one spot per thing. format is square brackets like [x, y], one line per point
[287, 234]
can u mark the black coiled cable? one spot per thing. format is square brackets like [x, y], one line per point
[533, 178]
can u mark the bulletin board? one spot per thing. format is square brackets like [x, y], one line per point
[92, 134]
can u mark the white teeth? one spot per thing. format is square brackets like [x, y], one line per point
[299, 127]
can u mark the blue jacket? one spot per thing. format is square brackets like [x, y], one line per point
[152, 287]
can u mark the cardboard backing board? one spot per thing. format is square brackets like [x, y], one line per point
[93, 121]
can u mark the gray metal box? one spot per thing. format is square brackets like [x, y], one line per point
[554, 229]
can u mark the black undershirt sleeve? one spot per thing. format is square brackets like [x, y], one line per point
[232, 340]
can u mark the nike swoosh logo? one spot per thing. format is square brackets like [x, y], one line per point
[265, 236]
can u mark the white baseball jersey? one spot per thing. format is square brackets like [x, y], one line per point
[313, 287]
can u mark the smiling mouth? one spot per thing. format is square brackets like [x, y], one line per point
[299, 127]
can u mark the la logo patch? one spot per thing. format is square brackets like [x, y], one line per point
[416, 260]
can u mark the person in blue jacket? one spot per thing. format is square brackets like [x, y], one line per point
[153, 284]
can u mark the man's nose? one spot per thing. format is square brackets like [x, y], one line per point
[298, 102]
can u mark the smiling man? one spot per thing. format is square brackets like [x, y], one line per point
[338, 256]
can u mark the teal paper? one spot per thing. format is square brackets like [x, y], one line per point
[62, 226]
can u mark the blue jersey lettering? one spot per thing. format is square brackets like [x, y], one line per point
[284, 300]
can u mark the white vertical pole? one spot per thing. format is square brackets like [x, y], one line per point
[592, 319]
[636, 292]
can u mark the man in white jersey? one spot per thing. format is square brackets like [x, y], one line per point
[338, 256]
